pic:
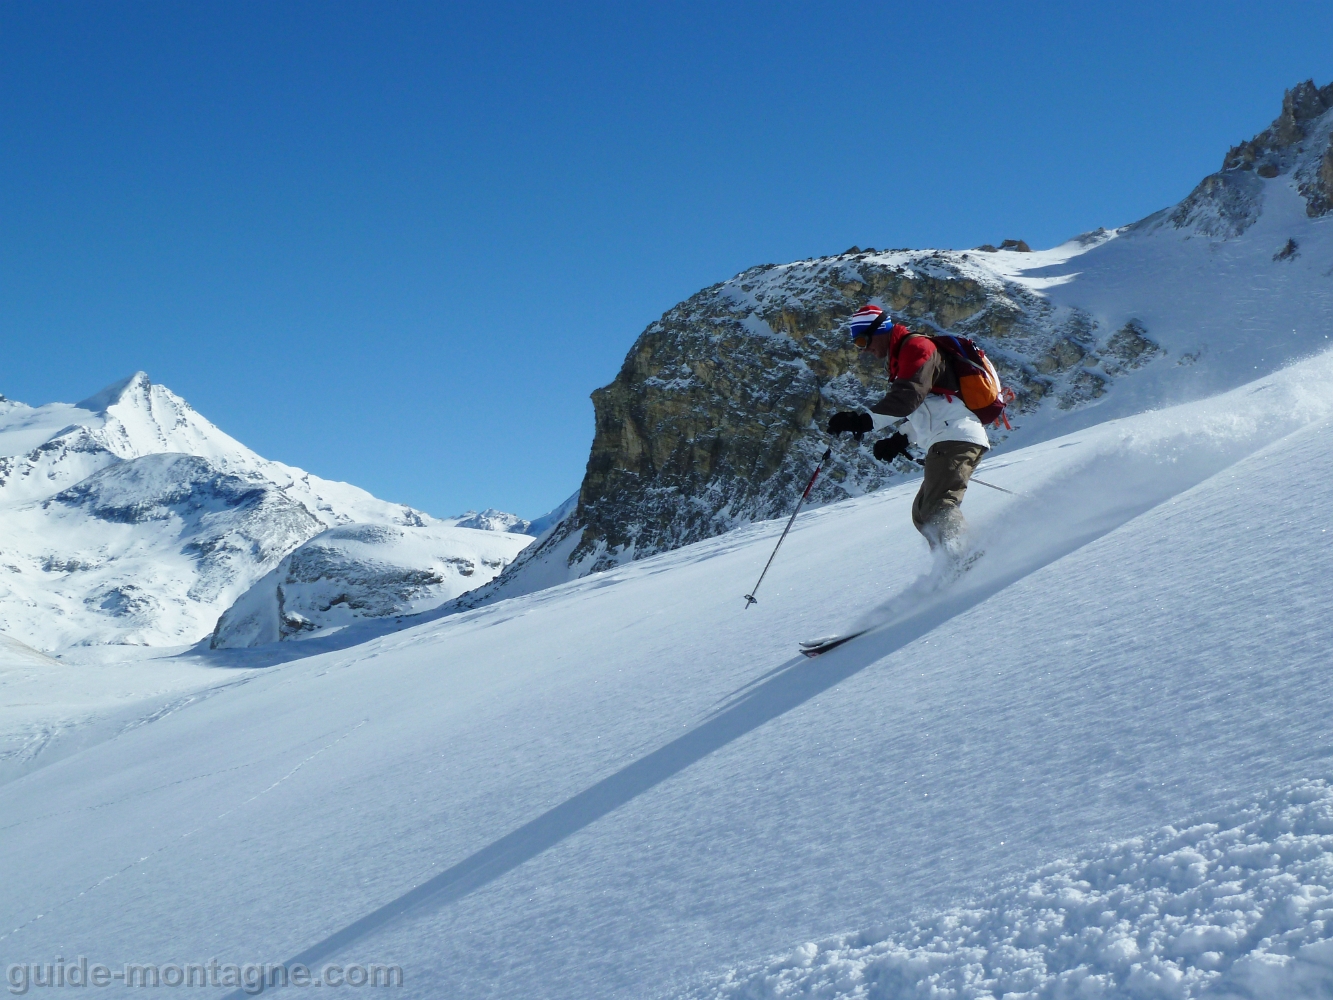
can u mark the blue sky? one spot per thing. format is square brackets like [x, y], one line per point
[399, 244]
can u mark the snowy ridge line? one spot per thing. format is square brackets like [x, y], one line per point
[1233, 904]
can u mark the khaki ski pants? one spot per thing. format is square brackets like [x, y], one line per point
[949, 466]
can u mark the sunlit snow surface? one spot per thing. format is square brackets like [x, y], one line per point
[631, 786]
[1162, 915]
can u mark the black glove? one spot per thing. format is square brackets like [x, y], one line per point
[857, 423]
[887, 449]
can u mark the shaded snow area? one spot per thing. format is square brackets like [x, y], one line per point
[1236, 904]
[130, 519]
[361, 571]
[631, 786]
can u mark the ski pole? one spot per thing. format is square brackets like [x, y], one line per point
[750, 598]
[922, 462]
[983, 482]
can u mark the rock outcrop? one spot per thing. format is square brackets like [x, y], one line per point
[703, 426]
[358, 572]
[714, 419]
[1303, 123]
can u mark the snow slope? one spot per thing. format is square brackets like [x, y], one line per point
[1162, 915]
[630, 786]
[1224, 311]
[129, 518]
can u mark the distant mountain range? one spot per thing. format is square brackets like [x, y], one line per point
[129, 518]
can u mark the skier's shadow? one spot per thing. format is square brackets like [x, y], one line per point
[791, 685]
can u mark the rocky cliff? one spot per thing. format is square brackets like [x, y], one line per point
[713, 418]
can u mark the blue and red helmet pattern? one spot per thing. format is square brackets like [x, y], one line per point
[864, 318]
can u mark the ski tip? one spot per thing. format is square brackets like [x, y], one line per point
[817, 646]
[812, 643]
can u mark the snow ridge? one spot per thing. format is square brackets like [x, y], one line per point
[1232, 905]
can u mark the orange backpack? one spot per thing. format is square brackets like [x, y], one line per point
[978, 381]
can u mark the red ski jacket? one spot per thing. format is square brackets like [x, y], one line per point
[917, 368]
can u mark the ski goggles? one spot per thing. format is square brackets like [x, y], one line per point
[862, 339]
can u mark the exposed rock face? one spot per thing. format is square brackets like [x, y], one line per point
[358, 572]
[1304, 122]
[1317, 184]
[1129, 347]
[1224, 205]
[1301, 105]
[706, 424]
[715, 417]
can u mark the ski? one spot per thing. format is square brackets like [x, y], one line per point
[813, 647]
[944, 575]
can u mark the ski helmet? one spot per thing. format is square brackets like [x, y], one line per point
[866, 323]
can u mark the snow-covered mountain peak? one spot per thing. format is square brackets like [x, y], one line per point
[46, 449]
[137, 387]
[139, 417]
[129, 517]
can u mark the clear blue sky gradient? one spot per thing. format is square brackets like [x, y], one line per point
[398, 243]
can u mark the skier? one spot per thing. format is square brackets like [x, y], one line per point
[924, 400]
